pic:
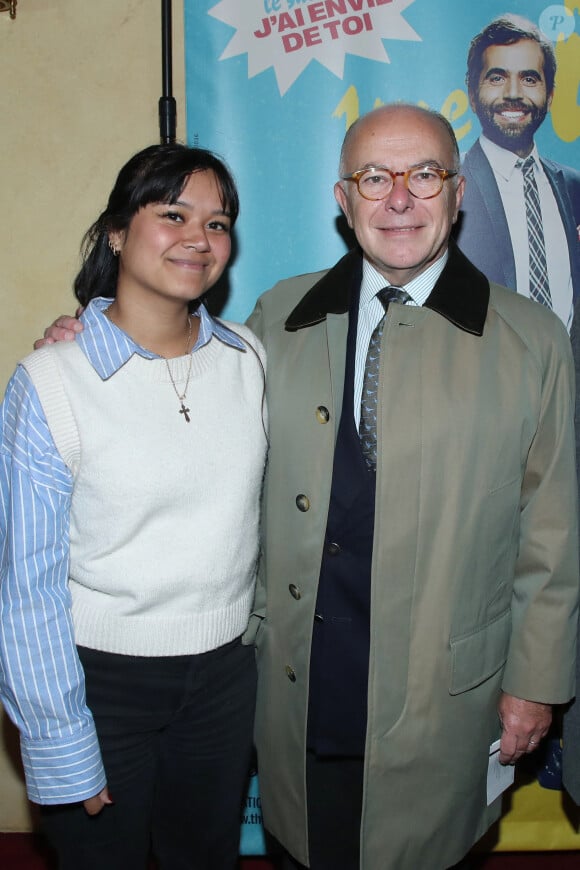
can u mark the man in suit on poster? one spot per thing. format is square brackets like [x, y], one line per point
[419, 580]
[511, 69]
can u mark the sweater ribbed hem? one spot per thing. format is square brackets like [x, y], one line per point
[158, 635]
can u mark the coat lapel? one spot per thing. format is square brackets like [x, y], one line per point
[557, 181]
[477, 165]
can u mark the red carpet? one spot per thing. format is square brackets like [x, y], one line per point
[28, 852]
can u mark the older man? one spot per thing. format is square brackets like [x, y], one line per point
[415, 608]
[420, 572]
[521, 212]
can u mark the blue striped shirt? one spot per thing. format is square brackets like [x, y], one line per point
[41, 679]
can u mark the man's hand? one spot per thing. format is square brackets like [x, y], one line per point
[94, 805]
[523, 723]
[64, 328]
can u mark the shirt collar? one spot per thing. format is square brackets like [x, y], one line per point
[108, 348]
[418, 289]
[502, 161]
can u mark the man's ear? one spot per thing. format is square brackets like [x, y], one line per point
[459, 191]
[342, 200]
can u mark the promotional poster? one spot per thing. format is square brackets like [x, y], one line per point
[273, 85]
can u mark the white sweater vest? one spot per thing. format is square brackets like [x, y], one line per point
[165, 513]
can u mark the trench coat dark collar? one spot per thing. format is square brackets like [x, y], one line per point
[461, 293]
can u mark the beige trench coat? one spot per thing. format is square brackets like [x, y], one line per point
[475, 563]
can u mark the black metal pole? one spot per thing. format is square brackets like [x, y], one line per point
[167, 106]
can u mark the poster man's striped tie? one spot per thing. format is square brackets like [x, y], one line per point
[539, 286]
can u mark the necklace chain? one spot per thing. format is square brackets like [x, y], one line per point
[182, 396]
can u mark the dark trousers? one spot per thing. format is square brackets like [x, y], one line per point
[334, 794]
[176, 740]
[334, 789]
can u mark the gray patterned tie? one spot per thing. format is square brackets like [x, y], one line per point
[539, 285]
[368, 408]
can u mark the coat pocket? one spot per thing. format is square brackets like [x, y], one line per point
[478, 655]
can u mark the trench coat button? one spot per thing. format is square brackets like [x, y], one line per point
[322, 414]
[318, 617]
[290, 674]
[302, 502]
[333, 549]
[295, 592]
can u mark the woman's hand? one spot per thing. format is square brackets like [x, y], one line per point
[94, 805]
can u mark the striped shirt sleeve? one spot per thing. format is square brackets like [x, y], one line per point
[41, 678]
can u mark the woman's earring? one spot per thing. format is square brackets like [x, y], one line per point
[115, 250]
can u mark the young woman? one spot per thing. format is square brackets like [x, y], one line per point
[131, 465]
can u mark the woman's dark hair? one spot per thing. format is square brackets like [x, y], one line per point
[157, 174]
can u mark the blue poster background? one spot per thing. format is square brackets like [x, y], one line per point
[278, 116]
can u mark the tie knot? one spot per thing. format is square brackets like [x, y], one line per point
[393, 294]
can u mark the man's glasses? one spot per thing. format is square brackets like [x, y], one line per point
[422, 182]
